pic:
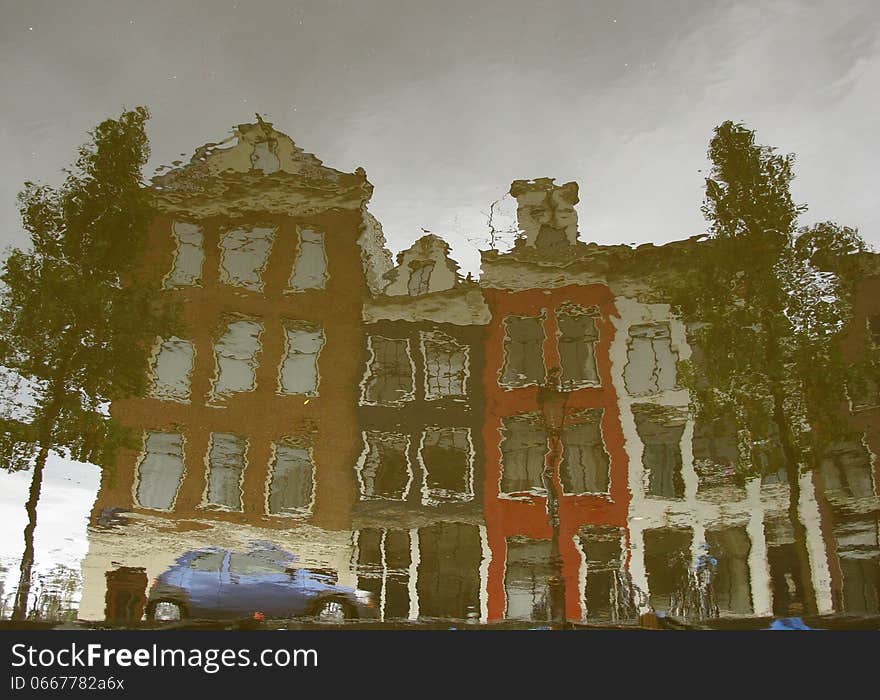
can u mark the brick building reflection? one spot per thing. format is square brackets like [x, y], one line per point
[420, 538]
[385, 420]
[270, 255]
[540, 320]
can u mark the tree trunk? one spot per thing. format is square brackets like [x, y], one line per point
[792, 464]
[19, 611]
[47, 424]
[792, 469]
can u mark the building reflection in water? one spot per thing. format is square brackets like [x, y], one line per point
[388, 420]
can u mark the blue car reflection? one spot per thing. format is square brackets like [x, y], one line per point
[262, 583]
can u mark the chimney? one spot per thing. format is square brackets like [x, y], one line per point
[545, 212]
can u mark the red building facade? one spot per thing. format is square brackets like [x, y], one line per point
[532, 458]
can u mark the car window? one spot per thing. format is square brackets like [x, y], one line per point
[254, 563]
[207, 561]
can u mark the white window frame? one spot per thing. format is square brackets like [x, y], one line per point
[205, 503]
[270, 473]
[429, 497]
[137, 471]
[361, 463]
[439, 336]
[293, 325]
[369, 373]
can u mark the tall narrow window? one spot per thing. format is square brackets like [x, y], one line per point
[235, 354]
[603, 597]
[389, 379]
[384, 470]
[660, 430]
[189, 255]
[160, 470]
[420, 278]
[527, 579]
[523, 351]
[226, 463]
[244, 253]
[291, 481]
[310, 266]
[858, 547]
[716, 453]
[650, 366]
[447, 462]
[172, 369]
[873, 322]
[383, 563]
[667, 564]
[769, 457]
[846, 469]
[448, 584]
[585, 463]
[733, 590]
[446, 366]
[299, 370]
[523, 449]
[577, 347]
[863, 392]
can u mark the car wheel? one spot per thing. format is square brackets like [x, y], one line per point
[166, 611]
[332, 611]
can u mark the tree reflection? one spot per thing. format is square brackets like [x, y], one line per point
[73, 327]
[767, 304]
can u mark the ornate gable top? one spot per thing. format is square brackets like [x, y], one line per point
[257, 170]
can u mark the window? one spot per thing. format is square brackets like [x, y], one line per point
[448, 584]
[873, 322]
[243, 256]
[207, 561]
[384, 470]
[861, 590]
[189, 255]
[172, 368]
[446, 455]
[650, 366]
[254, 564]
[383, 564]
[858, 546]
[235, 354]
[264, 157]
[716, 453]
[523, 449]
[291, 481]
[585, 463]
[577, 346]
[730, 547]
[786, 580]
[527, 579]
[768, 457]
[310, 266]
[420, 278]
[523, 351]
[660, 430]
[846, 469]
[226, 463]
[446, 366]
[160, 470]
[389, 379]
[299, 370]
[864, 392]
[667, 563]
[604, 594]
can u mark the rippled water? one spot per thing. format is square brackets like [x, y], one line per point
[330, 432]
